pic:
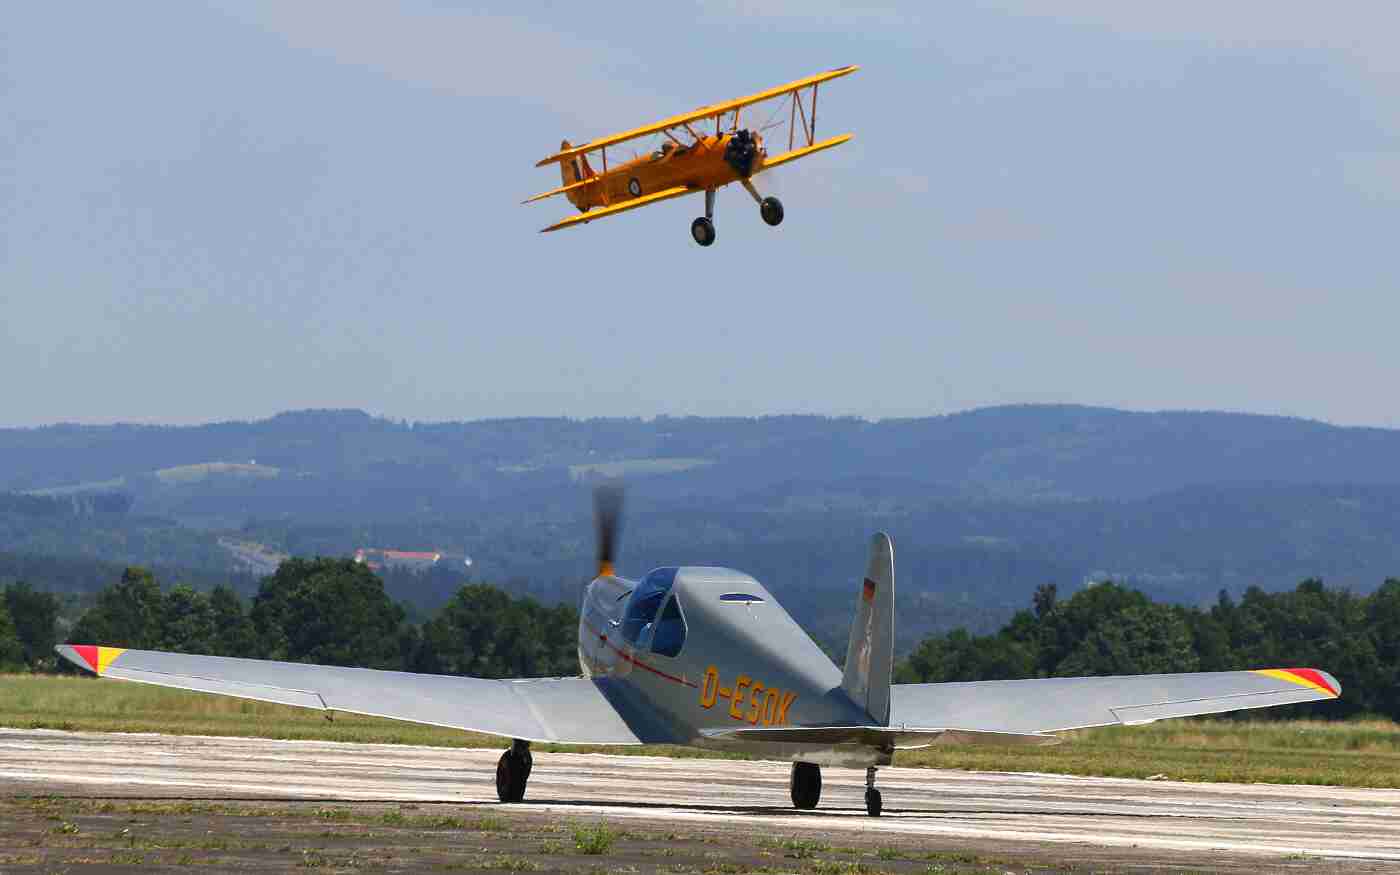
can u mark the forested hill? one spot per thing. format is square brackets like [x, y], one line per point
[984, 506]
[1021, 452]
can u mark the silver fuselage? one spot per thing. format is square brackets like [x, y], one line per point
[744, 663]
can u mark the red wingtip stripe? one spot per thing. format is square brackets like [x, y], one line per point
[89, 654]
[1314, 676]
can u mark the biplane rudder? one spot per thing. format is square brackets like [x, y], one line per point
[574, 170]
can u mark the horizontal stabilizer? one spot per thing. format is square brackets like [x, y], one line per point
[899, 737]
[563, 189]
[622, 207]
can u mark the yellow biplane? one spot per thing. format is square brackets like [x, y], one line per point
[691, 160]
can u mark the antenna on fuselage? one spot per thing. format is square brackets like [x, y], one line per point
[607, 518]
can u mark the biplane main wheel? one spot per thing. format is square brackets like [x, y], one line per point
[512, 771]
[805, 783]
[703, 230]
[771, 209]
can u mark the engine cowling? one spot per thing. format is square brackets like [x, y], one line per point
[741, 152]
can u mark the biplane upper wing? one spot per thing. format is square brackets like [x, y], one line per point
[703, 112]
[580, 710]
[623, 206]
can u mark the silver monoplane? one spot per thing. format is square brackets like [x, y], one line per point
[706, 657]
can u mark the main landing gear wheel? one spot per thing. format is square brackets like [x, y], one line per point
[806, 785]
[872, 802]
[703, 230]
[512, 771]
[872, 796]
[771, 209]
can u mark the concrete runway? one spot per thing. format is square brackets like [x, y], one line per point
[1230, 820]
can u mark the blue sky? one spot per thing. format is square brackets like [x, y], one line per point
[217, 211]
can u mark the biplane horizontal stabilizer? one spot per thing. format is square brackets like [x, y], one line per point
[624, 206]
[573, 186]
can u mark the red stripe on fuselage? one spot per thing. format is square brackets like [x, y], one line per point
[635, 661]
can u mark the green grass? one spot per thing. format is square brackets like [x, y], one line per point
[594, 840]
[1361, 753]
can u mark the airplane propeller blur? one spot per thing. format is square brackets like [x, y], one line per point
[707, 657]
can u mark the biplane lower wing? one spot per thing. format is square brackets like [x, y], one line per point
[793, 155]
[623, 206]
[577, 710]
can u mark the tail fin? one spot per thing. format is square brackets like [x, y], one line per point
[870, 655]
[573, 170]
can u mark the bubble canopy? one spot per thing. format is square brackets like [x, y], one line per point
[640, 626]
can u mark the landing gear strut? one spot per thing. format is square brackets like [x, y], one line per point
[872, 796]
[702, 230]
[805, 784]
[512, 771]
[770, 208]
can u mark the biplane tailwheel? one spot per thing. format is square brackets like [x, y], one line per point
[703, 230]
[771, 209]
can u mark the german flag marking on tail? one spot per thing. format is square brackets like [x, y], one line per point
[1303, 677]
[98, 658]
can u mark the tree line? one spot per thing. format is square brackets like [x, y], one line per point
[1109, 629]
[337, 612]
[323, 611]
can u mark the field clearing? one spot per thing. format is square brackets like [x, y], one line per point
[1349, 754]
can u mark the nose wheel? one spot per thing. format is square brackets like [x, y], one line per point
[512, 771]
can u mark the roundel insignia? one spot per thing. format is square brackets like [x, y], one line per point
[635, 187]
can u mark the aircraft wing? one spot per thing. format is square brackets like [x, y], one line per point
[1043, 705]
[622, 207]
[794, 154]
[703, 112]
[567, 710]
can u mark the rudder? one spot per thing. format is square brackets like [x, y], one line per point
[572, 170]
[870, 654]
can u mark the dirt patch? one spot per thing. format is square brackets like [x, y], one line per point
[48, 833]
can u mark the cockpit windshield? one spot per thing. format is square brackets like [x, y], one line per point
[644, 602]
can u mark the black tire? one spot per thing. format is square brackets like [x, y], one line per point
[702, 231]
[805, 784]
[771, 209]
[872, 802]
[512, 770]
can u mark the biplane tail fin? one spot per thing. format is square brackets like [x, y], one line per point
[573, 170]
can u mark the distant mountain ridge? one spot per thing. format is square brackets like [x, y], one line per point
[983, 505]
[1027, 452]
